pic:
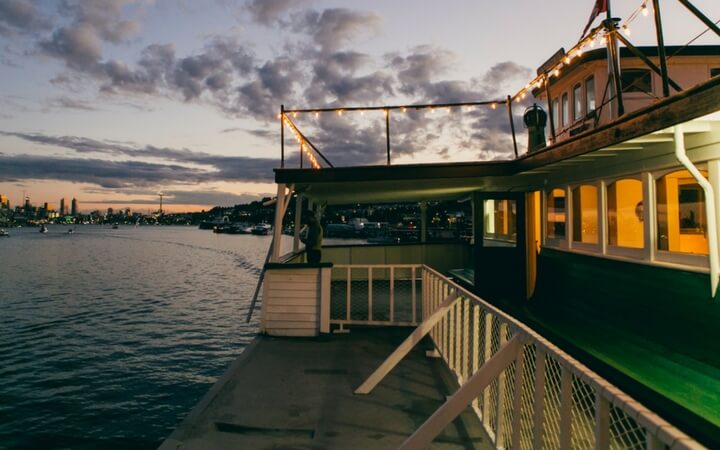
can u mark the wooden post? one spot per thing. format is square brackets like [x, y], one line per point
[565, 409]
[602, 422]
[403, 349]
[387, 133]
[282, 136]
[298, 223]
[502, 388]
[517, 397]
[277, 226]
[661, 48]
[512, 124]
[550, 108]
[325, 276]
[463, 397]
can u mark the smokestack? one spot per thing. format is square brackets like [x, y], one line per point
[535, 120]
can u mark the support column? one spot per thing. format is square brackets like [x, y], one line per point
[423, 221]
[298, 223]
[277, 224]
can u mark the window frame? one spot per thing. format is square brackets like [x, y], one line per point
[565, 105]
[548, 241]
[586, 246]
[616, 250]
[666, 256]
[556, 114]
[577, 91]
[631, 88]
[590, 90]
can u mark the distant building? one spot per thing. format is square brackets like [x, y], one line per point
[74, 211]
[27, 204]
[4, 202]
[63, 207]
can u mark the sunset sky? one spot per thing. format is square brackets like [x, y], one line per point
[114, 101]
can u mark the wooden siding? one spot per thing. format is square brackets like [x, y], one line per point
[291, 302]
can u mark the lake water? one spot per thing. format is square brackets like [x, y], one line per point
[109, 337]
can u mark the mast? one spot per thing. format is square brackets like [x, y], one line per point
[613, 55]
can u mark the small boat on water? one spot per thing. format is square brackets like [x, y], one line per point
[115, 226]
[71, 231]
[4, 233]
[43, 229]
[261, 229]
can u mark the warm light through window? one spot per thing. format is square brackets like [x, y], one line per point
[556, 208]
[681, 216]
[625, 214]
[585, 214]
[500, 227]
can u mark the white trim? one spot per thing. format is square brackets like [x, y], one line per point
[657, 263]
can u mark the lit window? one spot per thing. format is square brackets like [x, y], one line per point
[681, 217]
[500, 223]
[636, 80]
[556, 207]
[556, 113]
[577, 102]
[585, 214]
[625, 214]
[565, 111]
[590, 95]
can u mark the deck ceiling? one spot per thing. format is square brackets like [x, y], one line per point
[642, 140]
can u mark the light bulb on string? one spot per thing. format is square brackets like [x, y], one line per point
[557, 72]
[644, 9]
[493, 105]
[294, 114]
[317, 114]
[403, 109]
[339, 112]
[626, 30]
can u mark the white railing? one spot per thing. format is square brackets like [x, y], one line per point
[380, 294]
[527, 392]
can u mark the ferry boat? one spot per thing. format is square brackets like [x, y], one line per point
[582, 314]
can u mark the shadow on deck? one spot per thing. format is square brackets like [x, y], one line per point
[298, 393]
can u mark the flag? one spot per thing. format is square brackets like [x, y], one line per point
[600, 6]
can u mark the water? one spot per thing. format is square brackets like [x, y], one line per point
[109, 337]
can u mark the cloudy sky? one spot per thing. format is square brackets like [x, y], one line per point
[113, 101]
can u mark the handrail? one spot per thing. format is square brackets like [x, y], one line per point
[607, 404]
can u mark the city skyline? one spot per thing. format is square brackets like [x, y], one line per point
[114, 101]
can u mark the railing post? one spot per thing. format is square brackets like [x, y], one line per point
[325, 276]
[476, 347]
[502, 388]
[457, 332]
[387, 133]
[414, 295]
[349, 293]
[517, 397]
[465, 362]
[565, 408]
[392, 294]
[539, 401]
[602, 421]
[487, 353]
[370, 293]
[282, 136]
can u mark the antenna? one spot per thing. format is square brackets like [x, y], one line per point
[161, 197]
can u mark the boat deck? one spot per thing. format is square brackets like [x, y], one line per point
[298, 393]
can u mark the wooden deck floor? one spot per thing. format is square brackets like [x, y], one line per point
[298, 393]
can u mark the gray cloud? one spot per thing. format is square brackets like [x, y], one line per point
[219, 168]
[194, 197]
[333, 28]
[19, 16]
[267, 12]
[63, 102]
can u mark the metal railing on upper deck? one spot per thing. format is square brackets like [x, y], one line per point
[527, 393]
[609, 33]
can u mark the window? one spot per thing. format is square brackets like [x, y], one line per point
[714, 72]
[556, 207]
[500, 228]
[636, 80]
[577, 102]
[556, 113]
[565, 111]
[585, 214]
[681, 217]
[625, 214]
[590, 95]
